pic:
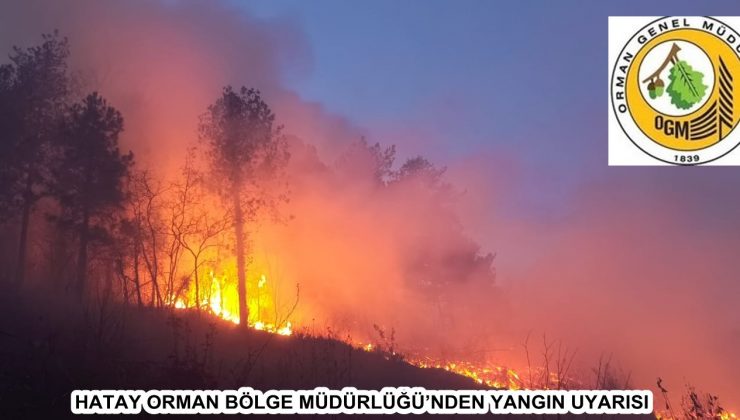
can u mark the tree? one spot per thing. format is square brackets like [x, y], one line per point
[127, 258]
[146, 196]
[89, 178]
[362, 161]
[419, 169]
[195, 225]
[247, 150]
[445, 256]
[33, 94]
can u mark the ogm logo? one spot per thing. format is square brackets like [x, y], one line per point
[673, 89]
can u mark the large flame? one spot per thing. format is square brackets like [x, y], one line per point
[220, 298]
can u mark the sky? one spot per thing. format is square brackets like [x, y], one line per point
[449, 79]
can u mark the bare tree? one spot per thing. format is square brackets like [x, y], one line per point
[200, 225]
[177, 208]
[147, 194]
[128, 252]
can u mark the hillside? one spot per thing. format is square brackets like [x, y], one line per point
[48, 348]
[51, 346]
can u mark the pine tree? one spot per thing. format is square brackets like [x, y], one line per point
[33, 95]
[246, 149]
[88, 179]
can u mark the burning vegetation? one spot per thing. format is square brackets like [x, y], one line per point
[250, 214]
[255, 227]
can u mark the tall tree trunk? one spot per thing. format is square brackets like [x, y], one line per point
[241, 270]
[20, 274]
[137, 282]
[82, 254]
[21, 271]
[124, 283]
[197, 287]
[153, 265]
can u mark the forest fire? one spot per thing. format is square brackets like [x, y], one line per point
[497, 377]
[195, 183]
[221, 300]
[485, 374]
[666, 415]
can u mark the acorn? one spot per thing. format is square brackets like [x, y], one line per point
[651, 90]
[659, 87]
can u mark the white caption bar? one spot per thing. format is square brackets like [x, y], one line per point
[400, 400]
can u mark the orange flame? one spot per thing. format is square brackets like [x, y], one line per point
[221, 299]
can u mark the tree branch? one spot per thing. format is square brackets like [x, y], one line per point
[670, 58]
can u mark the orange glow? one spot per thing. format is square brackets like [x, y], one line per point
[663, 415]
[221, 299]
[492, 376]
[488, 374]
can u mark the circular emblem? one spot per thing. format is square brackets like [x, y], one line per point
[673, 89]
